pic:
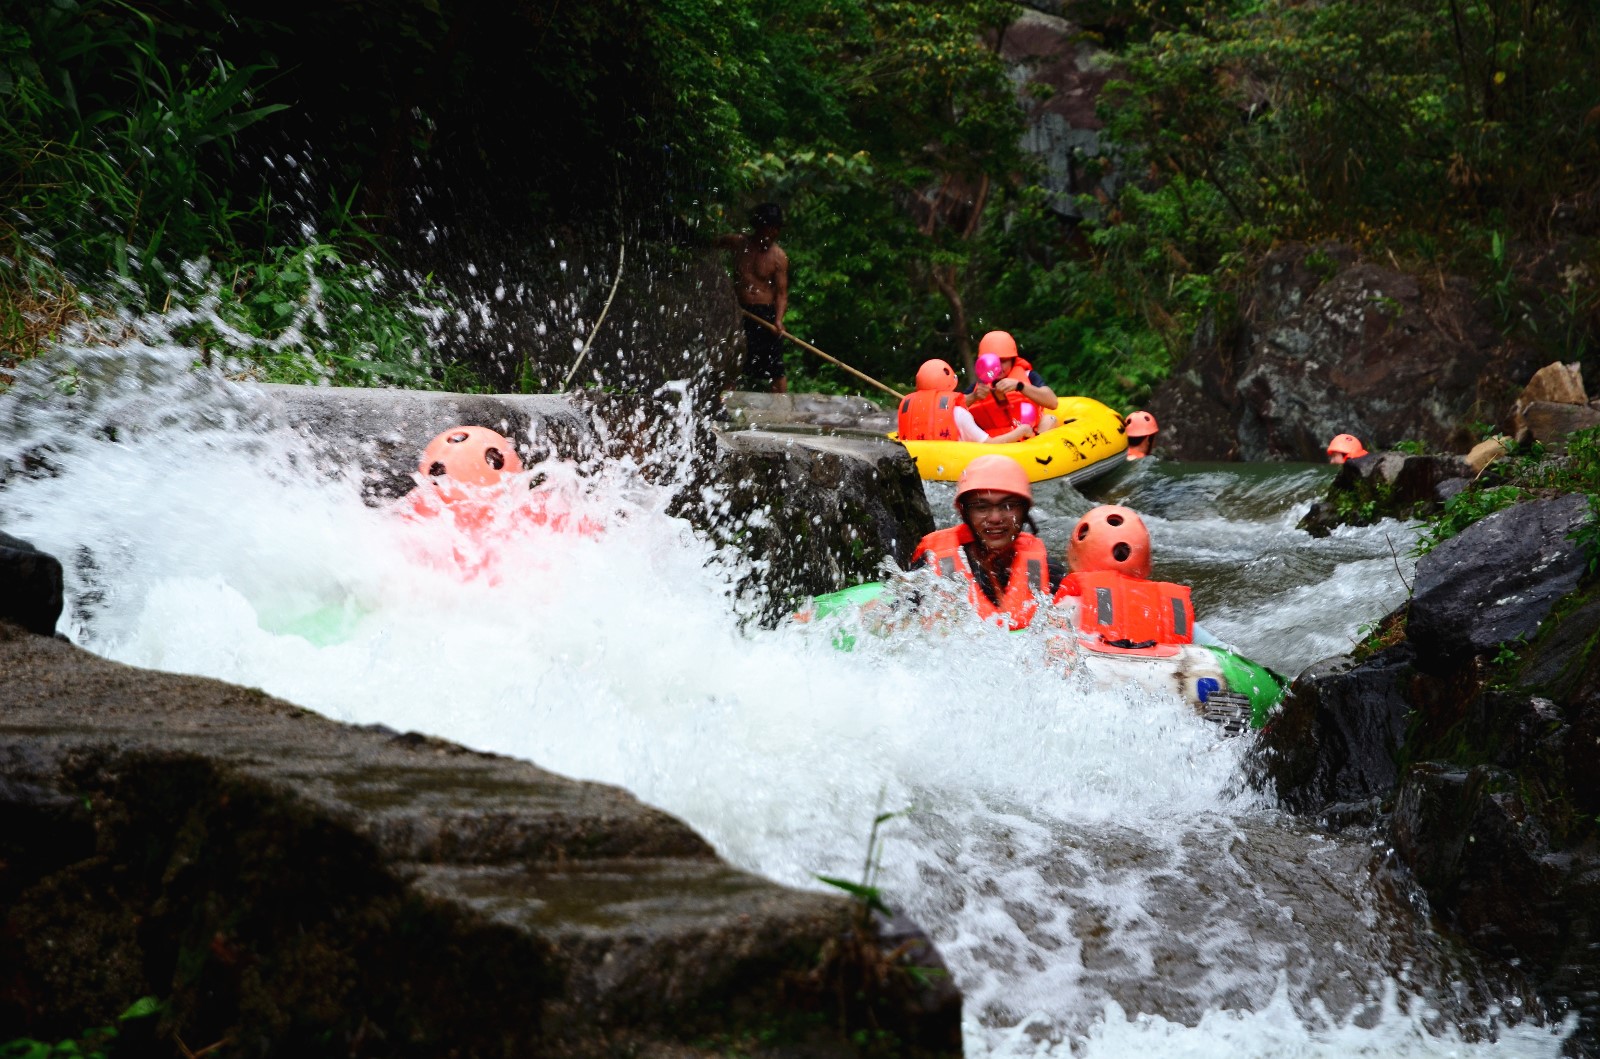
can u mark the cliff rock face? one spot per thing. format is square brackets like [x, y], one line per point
[1062, 131]
[1328, 344]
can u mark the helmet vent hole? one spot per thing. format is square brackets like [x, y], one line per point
[1120, 551]
[493, 458]
[1083, 530]
[436, 469]
[1113, 520]
[456, 438]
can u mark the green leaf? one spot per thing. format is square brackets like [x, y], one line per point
[144, 1007]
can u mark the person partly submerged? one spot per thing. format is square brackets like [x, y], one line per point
[935, 411]
[1141, 430]
[1345, 447]
[1108, 598]
[470, 478]
[1006, 569]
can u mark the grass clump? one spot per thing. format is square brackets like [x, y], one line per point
[1532, 472]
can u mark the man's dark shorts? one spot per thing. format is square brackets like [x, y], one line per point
[763, 361]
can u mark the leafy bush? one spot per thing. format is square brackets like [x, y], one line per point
[1533, 473]
[109, 155]
[97, 1043]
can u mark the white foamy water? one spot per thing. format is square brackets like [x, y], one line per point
[1088, 862]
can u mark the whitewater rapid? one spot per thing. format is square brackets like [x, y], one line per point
[1089, 863]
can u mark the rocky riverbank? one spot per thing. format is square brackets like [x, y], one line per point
[1465, 731]
[296, 886]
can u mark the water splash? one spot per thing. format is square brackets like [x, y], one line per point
[1086, 860]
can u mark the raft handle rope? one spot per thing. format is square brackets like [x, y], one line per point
[896, 394]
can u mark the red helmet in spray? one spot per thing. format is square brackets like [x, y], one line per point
[469, 455]
[1110, 537]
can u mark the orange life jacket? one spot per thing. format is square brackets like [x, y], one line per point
[930, 415]
[1030, 573]
[482, 523]
[995, 417]
[1117, 613]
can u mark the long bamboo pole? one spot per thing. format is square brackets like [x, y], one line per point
[896, 394]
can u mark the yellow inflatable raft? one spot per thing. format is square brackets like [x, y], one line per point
[1087, 443]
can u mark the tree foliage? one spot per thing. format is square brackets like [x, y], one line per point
[1445, 132]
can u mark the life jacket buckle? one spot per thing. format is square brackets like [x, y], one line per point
[1128, 645]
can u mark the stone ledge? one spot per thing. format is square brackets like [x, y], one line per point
[776, 410]
[281, 879]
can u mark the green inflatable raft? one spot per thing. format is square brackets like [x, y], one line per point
[1221, 685]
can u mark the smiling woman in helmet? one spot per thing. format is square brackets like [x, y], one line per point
[1004, 566]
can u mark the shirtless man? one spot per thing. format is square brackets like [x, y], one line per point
[761, 281]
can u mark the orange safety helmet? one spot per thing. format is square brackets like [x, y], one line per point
[1140, 425]
[1000, 343]
[936, 375]
[1345, 447]
[472, 455]
[1002, 474]
[1110, 537]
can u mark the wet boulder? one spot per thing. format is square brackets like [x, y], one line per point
[384, 431]
[1471, 841]
[815, 513]
[801, 410]
[1387, 485]
[1550, 423]
[1496, 581]
[30, 586]
[1331, 748]
[1499, 816]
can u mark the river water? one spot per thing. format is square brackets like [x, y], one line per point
[1089, 863]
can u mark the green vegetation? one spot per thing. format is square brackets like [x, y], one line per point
[292, 157]
[1432, 134]
[1529, 473]
[120, 188]
[98, 1043]
[866, 894]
